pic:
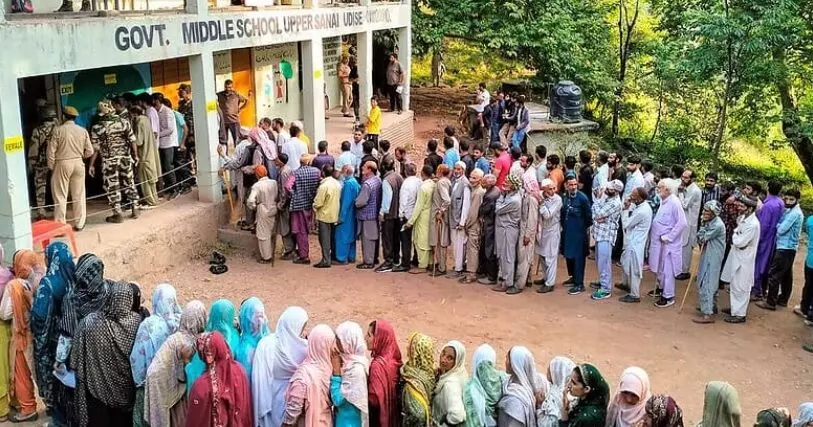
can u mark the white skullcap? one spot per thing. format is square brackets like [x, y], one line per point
[616, 185]
[298, 124]
[547, 182]
[460, 163]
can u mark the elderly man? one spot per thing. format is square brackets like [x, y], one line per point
[606, 216]
[407, 198]
[488, 253]
[326, 204]
[472, 226]
[303, 191]
[528, 222]
[420, 221]
[345, 240]
[367, 214]
[507, 216]
[635, 221]
[549, 235]
[690, 197]
[666, 246]
[576, 219]
[388, 214]
[711, 238]
[459, 210]
[263, 199]
[739, 268]
[439, 236]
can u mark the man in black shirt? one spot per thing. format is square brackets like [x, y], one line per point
[466, 158]
[586, 173]
[433, 159]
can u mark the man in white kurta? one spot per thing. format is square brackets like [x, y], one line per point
[739, 267]
[263, 199]
[459, 213]
[635, 220]
[690, 197]
[550, 233]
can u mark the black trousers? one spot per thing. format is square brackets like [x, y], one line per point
[183, 161]
[807, 294]
[395, 97]
[101, 415]
[167, 156]
[780, 277]
[575, 269]
[488, 263]
[406, 243]
[326, 232]
[391, 240]
[618, 247]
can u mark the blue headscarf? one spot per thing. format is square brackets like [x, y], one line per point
[154, 330]
[46, 309]
[221, 319]
[253, 326]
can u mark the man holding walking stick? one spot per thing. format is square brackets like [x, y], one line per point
[711, 238]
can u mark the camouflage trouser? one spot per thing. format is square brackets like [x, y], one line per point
[117, 176]
[40, 181]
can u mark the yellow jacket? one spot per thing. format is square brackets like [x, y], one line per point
[326, 202]
[374, 121]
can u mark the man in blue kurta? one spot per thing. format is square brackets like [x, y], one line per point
[346, 228]
[772, 209]
[577, 217]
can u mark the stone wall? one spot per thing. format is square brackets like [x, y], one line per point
[400, 133]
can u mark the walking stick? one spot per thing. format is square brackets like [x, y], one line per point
[692, 280]
[438, 224]
[232, 217]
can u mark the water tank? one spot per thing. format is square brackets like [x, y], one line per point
[566, 102]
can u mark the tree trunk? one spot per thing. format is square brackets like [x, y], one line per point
[660, 113]
[792, 127]
[720, 126]
[624, 41]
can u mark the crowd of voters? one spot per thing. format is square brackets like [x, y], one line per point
[100, 358]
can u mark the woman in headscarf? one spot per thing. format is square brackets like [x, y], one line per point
[627, 408]
[419, 381]
[774, 417]
[138, 308]
[517, 407]
[221, 397]
[384, 378]
[45, 310]
[268, 151]
[151, 334]
[105, 391]
[308, 395]
[721, 405]
[662, 411]
[5, 340]
[165, 384]
[482, 393]
[593, 394]
[275, 360]
[221, 319]
[29, 268]
[348, 385]
[550, 409]
[447, 402]
[805, 415]
[253, 326]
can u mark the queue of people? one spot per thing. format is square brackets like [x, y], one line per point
[100, 358]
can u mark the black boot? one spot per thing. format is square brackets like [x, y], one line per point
[67, 6]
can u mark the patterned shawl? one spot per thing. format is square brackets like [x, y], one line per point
[663, 411]
[88, 295]
[384, 367]
[591, 410]
[221, 319]
[805, 415]
[419, 377]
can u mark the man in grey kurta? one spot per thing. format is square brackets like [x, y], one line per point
[635, 222]
[439, 236]
[528, 221]
[367, 205]
[283, 215]
[460, 205]
[712, 239]
[550, 233]
[689, 195]
[508, 211]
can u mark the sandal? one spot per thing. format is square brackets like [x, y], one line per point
[19, 418]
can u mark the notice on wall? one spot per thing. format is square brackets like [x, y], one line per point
[110, 79]
[66, 89]
[273, 66]
[222, 63]
[13, 144]
[332, 48]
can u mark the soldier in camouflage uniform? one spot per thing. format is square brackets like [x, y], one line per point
[37, 159]
[121, 106]
[113, 138]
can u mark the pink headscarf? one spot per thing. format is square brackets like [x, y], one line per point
[261, 138]
[636, 381]
[315, 372]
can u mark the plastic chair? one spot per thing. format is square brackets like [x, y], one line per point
[45, 230]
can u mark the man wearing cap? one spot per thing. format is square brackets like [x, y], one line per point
[635, 221]
[459, 210]
[263, 199]
[114, 140]
[712, 239]
[549, 234]
[740, 265]
[473, 226]
[665, 244]
[606, 215]
[37, 156]
[69, 144]
[507, 215]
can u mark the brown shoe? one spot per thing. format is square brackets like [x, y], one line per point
[499, 288]
[703, 320]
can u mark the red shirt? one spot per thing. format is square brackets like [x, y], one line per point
[503, 163]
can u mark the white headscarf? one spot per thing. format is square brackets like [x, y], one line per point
[275, 360]
[560, 368]
[805, 415]
[519, 397]
[636, 381]
[459, 368]
[355, 367]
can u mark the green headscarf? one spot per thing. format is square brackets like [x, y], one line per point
[721, 405]
[221, 319]
[774, 417]
[484, 389]
[591, 410]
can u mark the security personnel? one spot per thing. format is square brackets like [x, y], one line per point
[37, 156]
[113, 138]
[69, 144]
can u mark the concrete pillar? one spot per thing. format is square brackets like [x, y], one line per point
[204, 107]
[15, 214]
[313, 100]
[365, 68]
[405, 57]
[197, 7]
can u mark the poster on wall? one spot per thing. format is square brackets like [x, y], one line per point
[275, 65]
[84, 89]
[222, 62]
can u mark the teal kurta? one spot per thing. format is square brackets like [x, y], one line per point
[346, 228]
[347, 415]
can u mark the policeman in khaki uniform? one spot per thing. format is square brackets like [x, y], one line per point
[69, 144]
[37, 155]
[113, 138]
